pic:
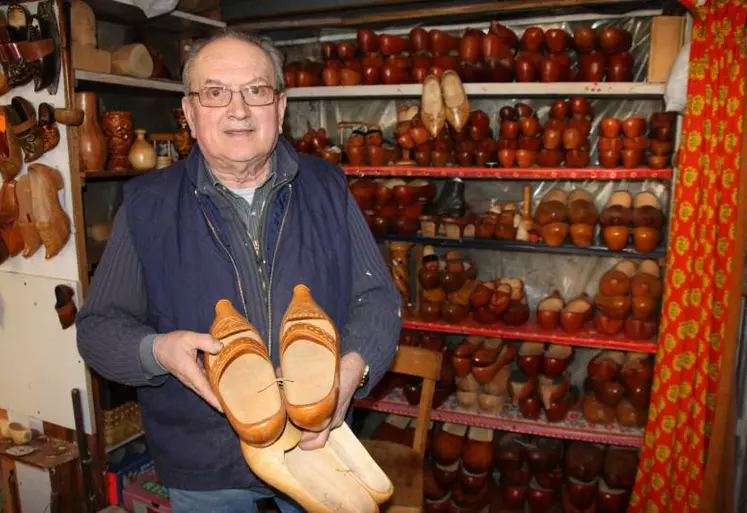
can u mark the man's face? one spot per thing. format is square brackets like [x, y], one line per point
[237, 133]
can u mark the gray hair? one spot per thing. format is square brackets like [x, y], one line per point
[262, 42]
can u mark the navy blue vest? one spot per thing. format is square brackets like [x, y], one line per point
[186, 270]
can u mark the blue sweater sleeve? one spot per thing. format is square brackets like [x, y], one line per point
[113, 337]
[374, 320]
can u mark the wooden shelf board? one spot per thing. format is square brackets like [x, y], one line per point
[530, 247]
[573, 427]
[103, 174]
[126, 81]
[49, 452]
[124, 442]
[127, 13]
[587, 337]
[510, 90]
[532, 173]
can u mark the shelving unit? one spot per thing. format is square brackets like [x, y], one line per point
[574, 427]
[128, 13]
[530, 331]
[125, 81]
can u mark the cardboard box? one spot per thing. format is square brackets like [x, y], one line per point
[120, 475]
[667, 37]
[147, 495]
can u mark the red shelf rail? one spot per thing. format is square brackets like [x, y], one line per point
[534, 173]
[587, 337]
[573, 427]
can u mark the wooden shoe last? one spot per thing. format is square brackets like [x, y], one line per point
[432, 112]
[340, 477]
[309, 362]
[31, 240]
[243, 378]
[50, 219]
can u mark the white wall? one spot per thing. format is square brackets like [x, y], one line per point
[39, 362]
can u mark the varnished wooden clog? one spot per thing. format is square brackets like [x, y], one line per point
[243, 378]
[309, 362]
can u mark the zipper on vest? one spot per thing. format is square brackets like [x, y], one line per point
[230, 257]
[272, 269]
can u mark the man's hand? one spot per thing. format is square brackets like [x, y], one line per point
[177, 353]
[351, 373]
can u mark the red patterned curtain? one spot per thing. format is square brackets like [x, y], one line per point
[699, 265]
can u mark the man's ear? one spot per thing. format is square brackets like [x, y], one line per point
[282, 102]
[189, 113]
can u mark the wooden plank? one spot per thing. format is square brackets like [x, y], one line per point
[48, 452]
[416, 361]
[507, 90]
[422, 13]
[718, 480]
[66, 480]
[10, 496]
[123, 80]
[424, 415]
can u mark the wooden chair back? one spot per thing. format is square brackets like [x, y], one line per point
[426, 364]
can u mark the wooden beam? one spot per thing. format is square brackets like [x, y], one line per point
[325, 10]
[718, 481]
[97, 444]
[420, 13]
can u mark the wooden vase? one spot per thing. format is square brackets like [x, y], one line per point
[142, 155]
[91, 139]
[118, 130]
[183, 140]
[401, 272]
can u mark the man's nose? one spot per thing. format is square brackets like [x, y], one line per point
[237, 108]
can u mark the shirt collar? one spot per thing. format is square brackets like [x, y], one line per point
[208, 183]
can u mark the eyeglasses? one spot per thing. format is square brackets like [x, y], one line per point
[253, 95]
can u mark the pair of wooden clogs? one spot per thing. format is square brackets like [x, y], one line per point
[31, 214]
[341, 476]
[244, 379]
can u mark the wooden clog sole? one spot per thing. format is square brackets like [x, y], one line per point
[248, 387]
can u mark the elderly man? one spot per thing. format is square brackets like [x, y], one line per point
[244, 217]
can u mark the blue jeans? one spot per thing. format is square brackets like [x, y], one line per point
[226, 501]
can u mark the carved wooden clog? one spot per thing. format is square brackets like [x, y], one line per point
[21, 116]
[49, 217]
[31, 240]
[455, 100]
[243, 378]
[309, 362]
